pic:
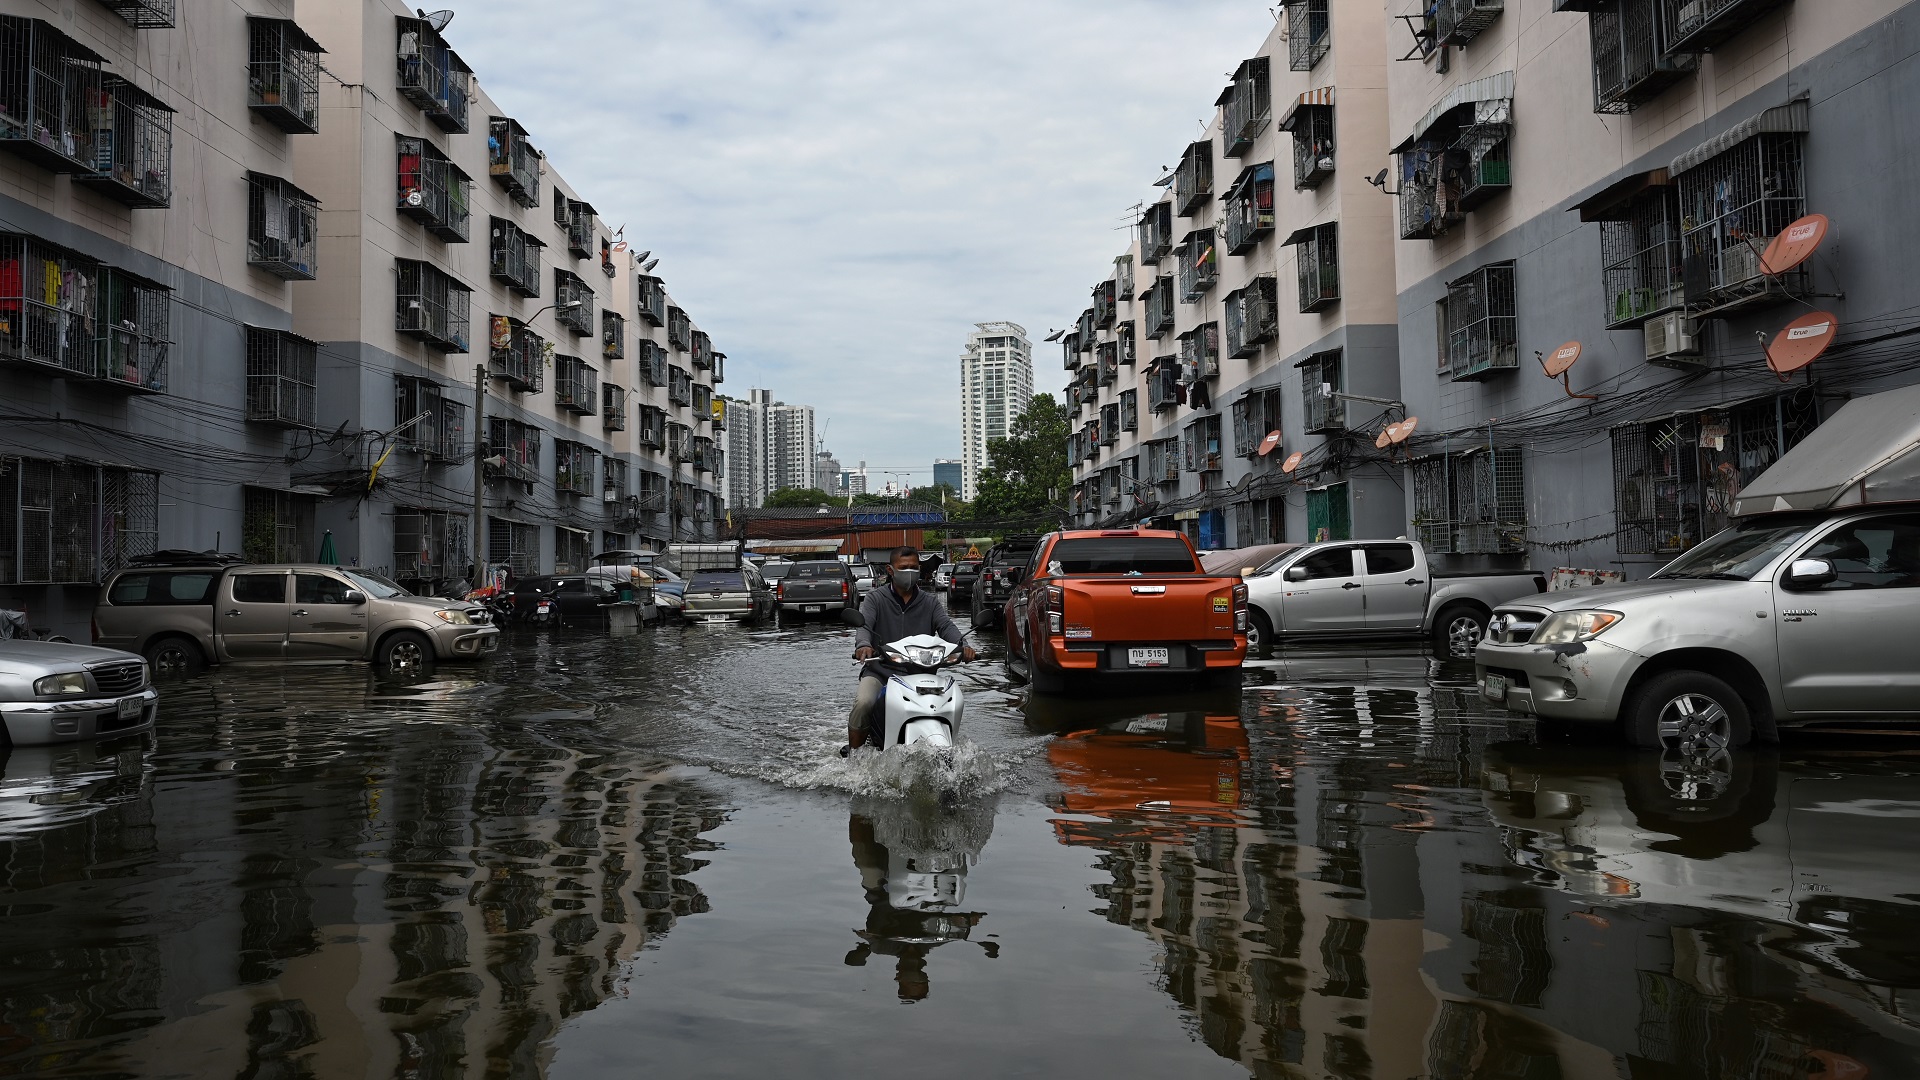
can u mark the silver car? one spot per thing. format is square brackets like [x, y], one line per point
[53, 692]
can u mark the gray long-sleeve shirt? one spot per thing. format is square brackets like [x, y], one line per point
[888, 619]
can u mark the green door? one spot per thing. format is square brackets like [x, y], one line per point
[1328, 515]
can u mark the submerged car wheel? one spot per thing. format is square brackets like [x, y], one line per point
[1688, 713]
[175, 658]
[1259, 635]
[1457, 632]
[405, 654]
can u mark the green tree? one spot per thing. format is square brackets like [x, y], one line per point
[1022, 467]
[790, 498]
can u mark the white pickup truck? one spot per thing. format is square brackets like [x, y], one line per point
[1375, 590]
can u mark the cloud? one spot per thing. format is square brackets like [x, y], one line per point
[839, 189]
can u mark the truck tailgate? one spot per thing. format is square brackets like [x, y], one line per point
[811, 591]
[1173, 607]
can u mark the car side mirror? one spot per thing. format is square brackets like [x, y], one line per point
[1810, 574]
[1296, 573]
[354, 596]
[852, 617]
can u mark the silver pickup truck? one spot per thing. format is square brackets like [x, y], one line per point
[1372, 590]
[1807, 609]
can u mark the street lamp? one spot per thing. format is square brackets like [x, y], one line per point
[480, 446]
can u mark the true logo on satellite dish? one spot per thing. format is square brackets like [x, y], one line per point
[1403, 430]
[1794, 245]
[1269, 444]
[1801, 342]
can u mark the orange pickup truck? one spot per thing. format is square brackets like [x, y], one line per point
[1126, 604]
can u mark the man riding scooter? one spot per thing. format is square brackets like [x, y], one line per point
[900, 610]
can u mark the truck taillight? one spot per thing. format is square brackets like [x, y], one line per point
[843, 589]
[1056, 610]
[1239, 609]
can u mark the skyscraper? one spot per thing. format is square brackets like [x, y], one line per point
[770, 446]
[826, 471]
[790, 449]
[948, 471]
[996, 381]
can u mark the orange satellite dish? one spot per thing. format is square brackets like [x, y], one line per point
[1292, 463]
[1801, 341]
[1385, 437]
[1269, 444]
[1794, 245]
[1561, 360]
[1403, 430]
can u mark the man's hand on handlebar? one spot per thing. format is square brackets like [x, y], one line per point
[864, 652]
[967, 654]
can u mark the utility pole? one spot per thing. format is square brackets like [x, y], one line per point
[479, 474]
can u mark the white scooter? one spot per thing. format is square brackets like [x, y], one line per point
[924, 704]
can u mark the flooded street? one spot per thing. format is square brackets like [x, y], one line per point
[620, 857]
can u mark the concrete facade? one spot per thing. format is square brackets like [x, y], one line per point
[996, 382]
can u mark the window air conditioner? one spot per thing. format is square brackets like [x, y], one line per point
[1671, 336]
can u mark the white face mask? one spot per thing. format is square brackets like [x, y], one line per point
[905, 579]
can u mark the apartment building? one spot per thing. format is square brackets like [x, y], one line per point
[773, 448]
[996, 382]
[1474, 188]
[259, 336]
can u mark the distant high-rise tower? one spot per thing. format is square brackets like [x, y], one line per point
[769, 447]
[948, 471]
[826, 471]
[996, 382]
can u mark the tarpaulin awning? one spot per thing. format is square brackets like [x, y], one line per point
[1869, 452]
[1492, 98]
[1607, 204]
[1301, 236]
[1322, 96]
[1791, 118]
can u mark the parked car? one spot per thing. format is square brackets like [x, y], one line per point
[994, 583]
[960, 586]
[571, 598]
[943, 578]
[729, 594]
[56, 692]
[669, 588]
[1375, 590]
[863, 578]
[182, 618]
[1123, 603]
[816, 587]
[773, 570]
[1805, 610]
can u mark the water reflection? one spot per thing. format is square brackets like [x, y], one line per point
[913, 860]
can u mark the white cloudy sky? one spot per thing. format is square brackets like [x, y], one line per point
[839, 189]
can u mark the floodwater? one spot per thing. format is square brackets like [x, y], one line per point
[641, 857]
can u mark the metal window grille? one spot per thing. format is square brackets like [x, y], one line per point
[1163, 384]
[420, 409]
[133, 331]
[64, 522]
[575, 388]
[702, 350]
[568, 288]
[1429, 191]
[653, 427]
[1110, 424]
[1200, 351]
[283, 75]
[281, 377]
[679, 329]
[1631, 66]
[515, 257]
[1252, 315]
[1675, 479]
[613, 335]
[432, 307]
[1320, 379]
[1699, 25]
[1107, 362]
[1317, 262]
[432, 75]
[613, 406]
[679, 439]
[143, 14]
[1249, 213]
[1128, 343]
[702, 403]
[1472, 502]
[701, 451]
[653, 364]
[133, 146]
[433, 190]
[1640, 255]
[517, 354]
[679, 386]
[282, 228]
[1731, 207]
[1458, 22]
[1199, 263]
[1245, 441]
[1160, 306]
[49, 84]
[277, 526]
[1312, 146]
[652, 295]
[129, 517]
[512, 161]
[1484, 160]
[47, 304]
[1129, 410]
[1193, 177]
[1308, 33]
[513, 450]
[1156, 232]
[1202, 445]
[579, 225]
[1481, 323]
[1105, 305]
[1249, 105]
[514, 545]
[428, 545]
[576, 466]
[613, 478]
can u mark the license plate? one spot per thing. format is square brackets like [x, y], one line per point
[1146, 658]
[131, 707]
[811, 609]
[1494, 688]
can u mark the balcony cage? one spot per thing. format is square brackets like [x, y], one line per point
[276, 526]
[1156, 232]
[1193, 178]
[1248, 105]
[702, 454]
[578, 219]
[613, 479]
[719, 373]
[515, 257]
[1641, 262]
[679, 436]
[1458, 22]
[1083, 332]
[1200, 352]
[652, 294]
[1486, 165]
[1199, 265]
[49, 86]
[517, 446]
[1481, 323]
[1472, 502]
[1249, 210]
[512, 161]
[1630, 65]
[283, 75]
[1090, 440]
[1694, 26]
[428, 545]
[1732, 205]
[1160, 307]
[432, 307]
[1163, 384]
[652, 363]
[1123, 277]
[719, 410]
[575, 468]
[435, 427]
[282, 228]
[1200, 444]
[133, 331]
[568, 288]
[432, 75]
[653, 427]
[1429, 191]
[47, 305]
[516, 354]
[1252, 316]
[1070, 350]
[1107, 361]
[1129, 410]
[1129, 345]
[281, 374]
[575, 389]
[1317, 262]
[133, 147]
[1309, 33]
[1320, 380]
[702, 403]
[613, 336]
[1313, 161]
[1672, 488]
[514, 545]
[143, 14]
[72, 522]
[613, 406]
[433, 190]
[1106, 305]
[1169, 470]
[679, 387]
[701, 354]
[679, 329]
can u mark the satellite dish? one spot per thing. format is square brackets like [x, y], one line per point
[1269, 444]
[1292, 463]
[437, 19]
[1403, 430]
[1385, 438]
[1561, 360]
[1801, 342]
[1794, 245]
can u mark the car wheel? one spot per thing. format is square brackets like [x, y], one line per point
[405, 653]
[1458, 630]
[1690, 714]
[1229, 679]
[1259, 635]
[175, 658]
[1042, 681]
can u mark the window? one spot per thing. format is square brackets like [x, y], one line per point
[1640, 251]
[1308, 33]
[432, 75]
[434, 191]
[283, 75]
[1459, 160]
[1129, 410]
[517, 354]
[514, 545]
[700, 453]
[679, 386]
[1249, 209]
[515, 257]
[1110, 424]
[679, 443]
[576, 467]
[613, 406]
[1163, 461]
[1199, 265]
[1163, 384]
[281, 374]
[1193, 178]
[652, 363]
[1473, 502]
[613, 336]
[702, 350]
[137, 590]
[613, 478]
[1247, 105]
[1107, 362]
[1123, 277]
[1458, 22]
[1631, 66]
[1317, 262]
[432, 307]
[1256, 414]
[578, 221]
[1156, 232]
[318, 589]
[702, 403]
[653, 427]
[1732, 205]
[134, 328]
[268, 588]
[1201, 444]
[1333, 564]
[1879, 553]
[1319, 382]
[133, 149]
[1159, 307]
[512, 161]
[652, 296]
[1311, 125]
[679, 329]
[572, 550]
[512, 450]
[1674, 480]
[1389, 558]
[281, 228]
[1479, 325]
[568, 288]
[1129, 345]
[426, 421]
[1122, 555]
[1699, 25]
[277, 527]
[429, 545]
[1253, 316]
[575, 389]
[45, 296]
[1200, 352]
[69, 522]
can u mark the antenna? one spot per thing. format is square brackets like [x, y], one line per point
[1561, 362]
[437, 19]
[1800, 343]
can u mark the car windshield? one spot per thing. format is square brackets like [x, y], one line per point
[862, 570]
[717, 579]
[661, 573]
[377, 588]
[1121, 555]
[818, 570]
[1737, 554]
[775, 571]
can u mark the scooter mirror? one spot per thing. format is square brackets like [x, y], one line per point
[852, 617]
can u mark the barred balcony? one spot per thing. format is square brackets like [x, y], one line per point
[1311, 125]
[1458, 22]
[1320, 380]
[433, 190]
[515, 257]
[702, 403]
[516, 354]
[1156, 232]
[1193, 178]
[282, 228]
[652, 363]
[130, 351]
[702, 350]
[575, 468]
[1429, 200]
[133, 150]
[1317, 264]
[1481, 323]
[1200, 351]
[1694, 26]
[512, 450]
[1309, 33]
[679, 387]
[1249, 209]
[428, 544]
[46, 305]
[579, 223]
[1733, 204]
[575, 389]
[432, 75]
[1110, 424]
[701, 452]
[1160, 307]
[1123, 336]
[679, 329]
[512, 161]
[652, 294]
[1163, 384]
[432, 307]
[613, 336]
[282, 371]
[1107, 362]
[1129, 410]
[431, 425]
[570, 289]
[653, 427]
[48, 86]
[1252, 316]
[613, 406]
[1248, 106]
[283, 75]
[1106, 305]
[1199, 265]
[1630, 66]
